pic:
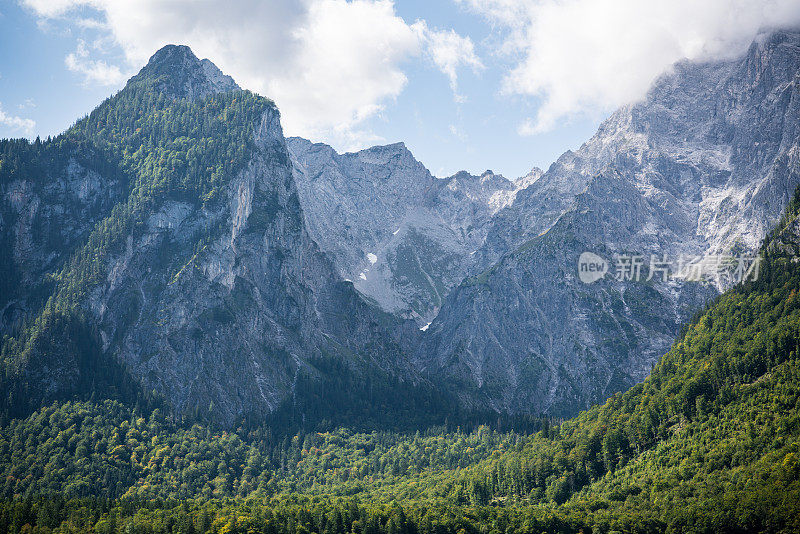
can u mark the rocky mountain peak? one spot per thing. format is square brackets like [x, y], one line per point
[172, 55]
[524, 181]
[394, 154]
[178, 72]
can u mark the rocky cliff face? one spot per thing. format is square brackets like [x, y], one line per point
[404, 237]
[250, 311]
[713, 139]
[50, 199]
[704, 165]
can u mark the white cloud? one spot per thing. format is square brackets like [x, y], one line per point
[329, 64]
[587, 56]
[16, 125]
[91, 24]
[527, 127]
[449, 51]
[457, 132]
[348, 64]
[93, 70]
[53, 8]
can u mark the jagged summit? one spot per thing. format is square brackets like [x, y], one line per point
[300, 143]
[177, 71]
[174, 54]
[399, 146]
[403, 236]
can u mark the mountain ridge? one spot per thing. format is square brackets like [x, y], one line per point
[382, 204]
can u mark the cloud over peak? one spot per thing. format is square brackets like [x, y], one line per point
[589, 56]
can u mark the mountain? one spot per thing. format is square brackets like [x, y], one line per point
[712, 140]
[404, 237]
[709, 442]
[702, 166]
[172, 247]
[181, 351]
[175, 264]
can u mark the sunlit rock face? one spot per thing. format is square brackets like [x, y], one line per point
[703, 165]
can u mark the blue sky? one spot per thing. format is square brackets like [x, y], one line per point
[467, 84]
[480, 133]
[34, 81]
